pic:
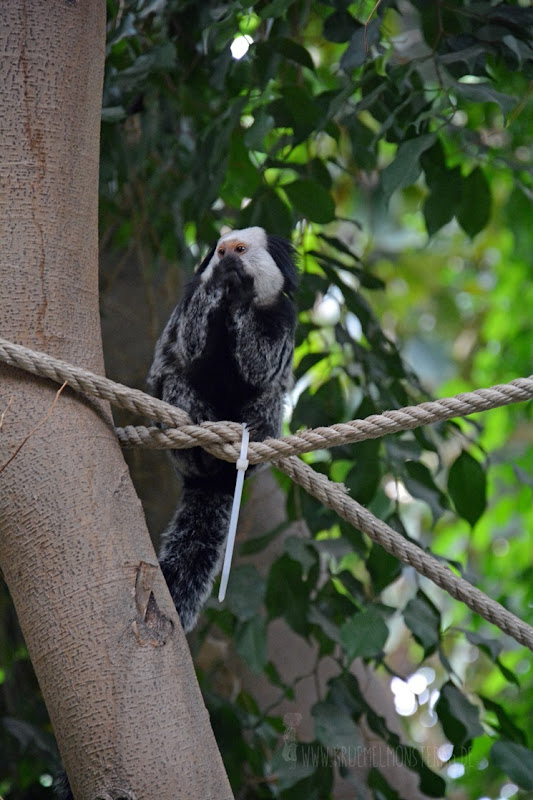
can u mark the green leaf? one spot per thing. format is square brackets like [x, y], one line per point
[312, 286]
[302, 110]
[311, 199]
[293, 51]
[290, 769]
[250, 643]
[338, 244]
[423, 620]
[354, 538]
[363, 480]
[275, 9]
[242, 178]
[246, 591]
[158, 59]
[485, 93]
[508, 674]
[421, 485]
[355, 588]
[405, 168]
[310, 756]
[444, 199]
[340, 26]
[358, 50]
[328, 628]
[334, 726]
[474, 211]
[436, 213]
[382, 789]
[255, 135]
[288, 594]
[507, 728]
[331, 266]
[364, 635]
[517, 209]
[271, 672]
[255, 544]
[228, 732]
[301, 550]
[362, 140]
[317, 170]
[467, 485]
[326, 406]
[308, 361]
[431, 784]
[268, 210]
[317, 516]
[345, 692]
[492, 647]
[459, 718]
[383, 567]
[515, 760]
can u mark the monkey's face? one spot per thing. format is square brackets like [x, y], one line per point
[241, 259]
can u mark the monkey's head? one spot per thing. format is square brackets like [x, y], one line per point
[266, 259]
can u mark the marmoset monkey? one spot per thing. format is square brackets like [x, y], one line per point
[225, 354]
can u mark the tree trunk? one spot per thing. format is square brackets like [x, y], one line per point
[101, 629]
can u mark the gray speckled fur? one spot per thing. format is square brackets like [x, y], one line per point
[225, 353]
[192, 546]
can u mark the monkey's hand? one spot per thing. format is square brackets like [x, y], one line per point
[237, 285]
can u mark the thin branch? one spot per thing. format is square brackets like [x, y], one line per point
[367, 23]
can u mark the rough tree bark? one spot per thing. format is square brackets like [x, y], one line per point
[99, 623]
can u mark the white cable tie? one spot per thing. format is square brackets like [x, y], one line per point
[242, 465]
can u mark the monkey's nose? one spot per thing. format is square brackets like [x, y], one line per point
[230, 261]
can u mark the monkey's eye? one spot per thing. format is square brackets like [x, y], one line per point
[221, 251]
[241, 248]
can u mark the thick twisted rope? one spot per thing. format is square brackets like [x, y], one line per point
[222, 439]
[357, 430]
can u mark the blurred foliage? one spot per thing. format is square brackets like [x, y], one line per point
[392, 140]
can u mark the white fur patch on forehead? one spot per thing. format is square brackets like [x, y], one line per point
[253, 237]
[256, 261]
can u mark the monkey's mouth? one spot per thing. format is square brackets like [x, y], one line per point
[229, 263]
[231, 272]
